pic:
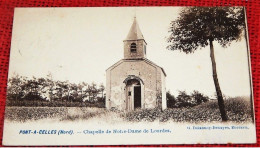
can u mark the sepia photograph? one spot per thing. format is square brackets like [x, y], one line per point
[129, 75]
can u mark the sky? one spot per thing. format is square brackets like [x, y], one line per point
[79, 44]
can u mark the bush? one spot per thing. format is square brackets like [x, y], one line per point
[239, 108]
[143, 115]
[171, 100]
[185, 100]
[199, 97]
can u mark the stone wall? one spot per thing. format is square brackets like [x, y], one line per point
[139, 51]
[150, 74]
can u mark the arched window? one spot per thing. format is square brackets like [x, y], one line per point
[133, 47]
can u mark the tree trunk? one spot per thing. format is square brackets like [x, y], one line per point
[215, 78]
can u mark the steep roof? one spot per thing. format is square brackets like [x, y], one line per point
[135, 32]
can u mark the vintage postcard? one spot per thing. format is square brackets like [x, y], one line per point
[129, 75]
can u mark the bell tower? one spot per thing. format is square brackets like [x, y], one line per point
[134, 44]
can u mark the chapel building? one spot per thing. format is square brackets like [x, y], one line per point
[134, 81]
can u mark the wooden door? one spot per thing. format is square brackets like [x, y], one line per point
[129, 98]
[133, 95]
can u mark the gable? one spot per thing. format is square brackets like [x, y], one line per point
[152, 63]
[142, 59]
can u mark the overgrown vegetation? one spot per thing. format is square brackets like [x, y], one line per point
[22, 91]
[238, 110]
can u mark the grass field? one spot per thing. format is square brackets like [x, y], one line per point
[238, 110]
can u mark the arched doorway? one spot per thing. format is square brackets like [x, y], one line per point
[133, 92]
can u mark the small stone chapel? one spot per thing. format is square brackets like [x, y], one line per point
[134, 81]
